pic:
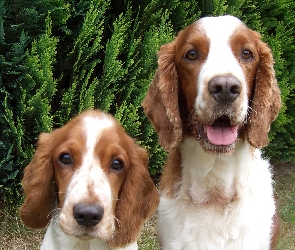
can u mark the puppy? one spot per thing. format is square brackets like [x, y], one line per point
[90, 181]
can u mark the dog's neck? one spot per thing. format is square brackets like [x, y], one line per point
[55, 238]
[208, 178]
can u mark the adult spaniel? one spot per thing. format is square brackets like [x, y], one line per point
[212, 101]
[90, 181]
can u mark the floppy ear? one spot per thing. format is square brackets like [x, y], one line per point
[161, 101]
[266, 100]
[37, 186]
[137, 201]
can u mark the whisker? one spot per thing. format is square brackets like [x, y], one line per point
[55, 219]
[118, 221]
[53, 211]
[190, 115]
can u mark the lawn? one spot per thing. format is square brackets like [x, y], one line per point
[13, 235]
[284, 176]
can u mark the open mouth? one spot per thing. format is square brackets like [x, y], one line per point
[221, 132]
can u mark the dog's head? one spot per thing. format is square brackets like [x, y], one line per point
[215, 81]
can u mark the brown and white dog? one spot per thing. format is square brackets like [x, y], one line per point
[212, 101]
[89, 179]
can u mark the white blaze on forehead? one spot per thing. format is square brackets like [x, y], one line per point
[93, 127]
[90, 173]
[219, 28]
[220, 60]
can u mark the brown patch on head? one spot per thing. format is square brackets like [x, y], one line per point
[45, 168]
[70, 143]
[241, 41]
[192, 47]
[112, 149]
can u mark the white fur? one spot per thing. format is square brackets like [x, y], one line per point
[55, 239]
[244, 224]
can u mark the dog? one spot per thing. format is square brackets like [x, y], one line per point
[212, 100]
[90, 181]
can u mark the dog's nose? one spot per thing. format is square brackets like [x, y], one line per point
[224, 88]
[88, 215]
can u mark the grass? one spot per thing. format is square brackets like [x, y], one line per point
[13, 235]
[284, 176]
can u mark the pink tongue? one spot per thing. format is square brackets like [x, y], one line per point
[221, 135]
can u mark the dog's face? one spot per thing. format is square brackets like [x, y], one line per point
[92, 179]
[222, 75]
[216, 66]
[90, 167]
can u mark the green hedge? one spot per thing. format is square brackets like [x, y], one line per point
[59, 57]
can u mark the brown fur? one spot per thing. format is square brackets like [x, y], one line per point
[172, 173]
[161, 102]
[38, 188]
[266, 100]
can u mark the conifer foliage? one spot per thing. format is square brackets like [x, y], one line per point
[59, 57]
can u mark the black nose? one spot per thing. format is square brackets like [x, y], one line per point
[224, 88]
[88, 215]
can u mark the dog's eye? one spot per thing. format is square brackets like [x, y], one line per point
[66, 159]
[117, 165]
[247, 55]
[191, 55]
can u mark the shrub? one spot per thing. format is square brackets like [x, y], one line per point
[60, 57]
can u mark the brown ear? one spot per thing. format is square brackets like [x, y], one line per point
[138, 200]
[266, 101]
[161, 101]
[37, 186]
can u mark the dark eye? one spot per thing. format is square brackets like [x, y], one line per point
[191, 55]
[66, 159]
[247, 55]
[117, 165]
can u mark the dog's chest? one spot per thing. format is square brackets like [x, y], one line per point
[224, 203]
[211, 227]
